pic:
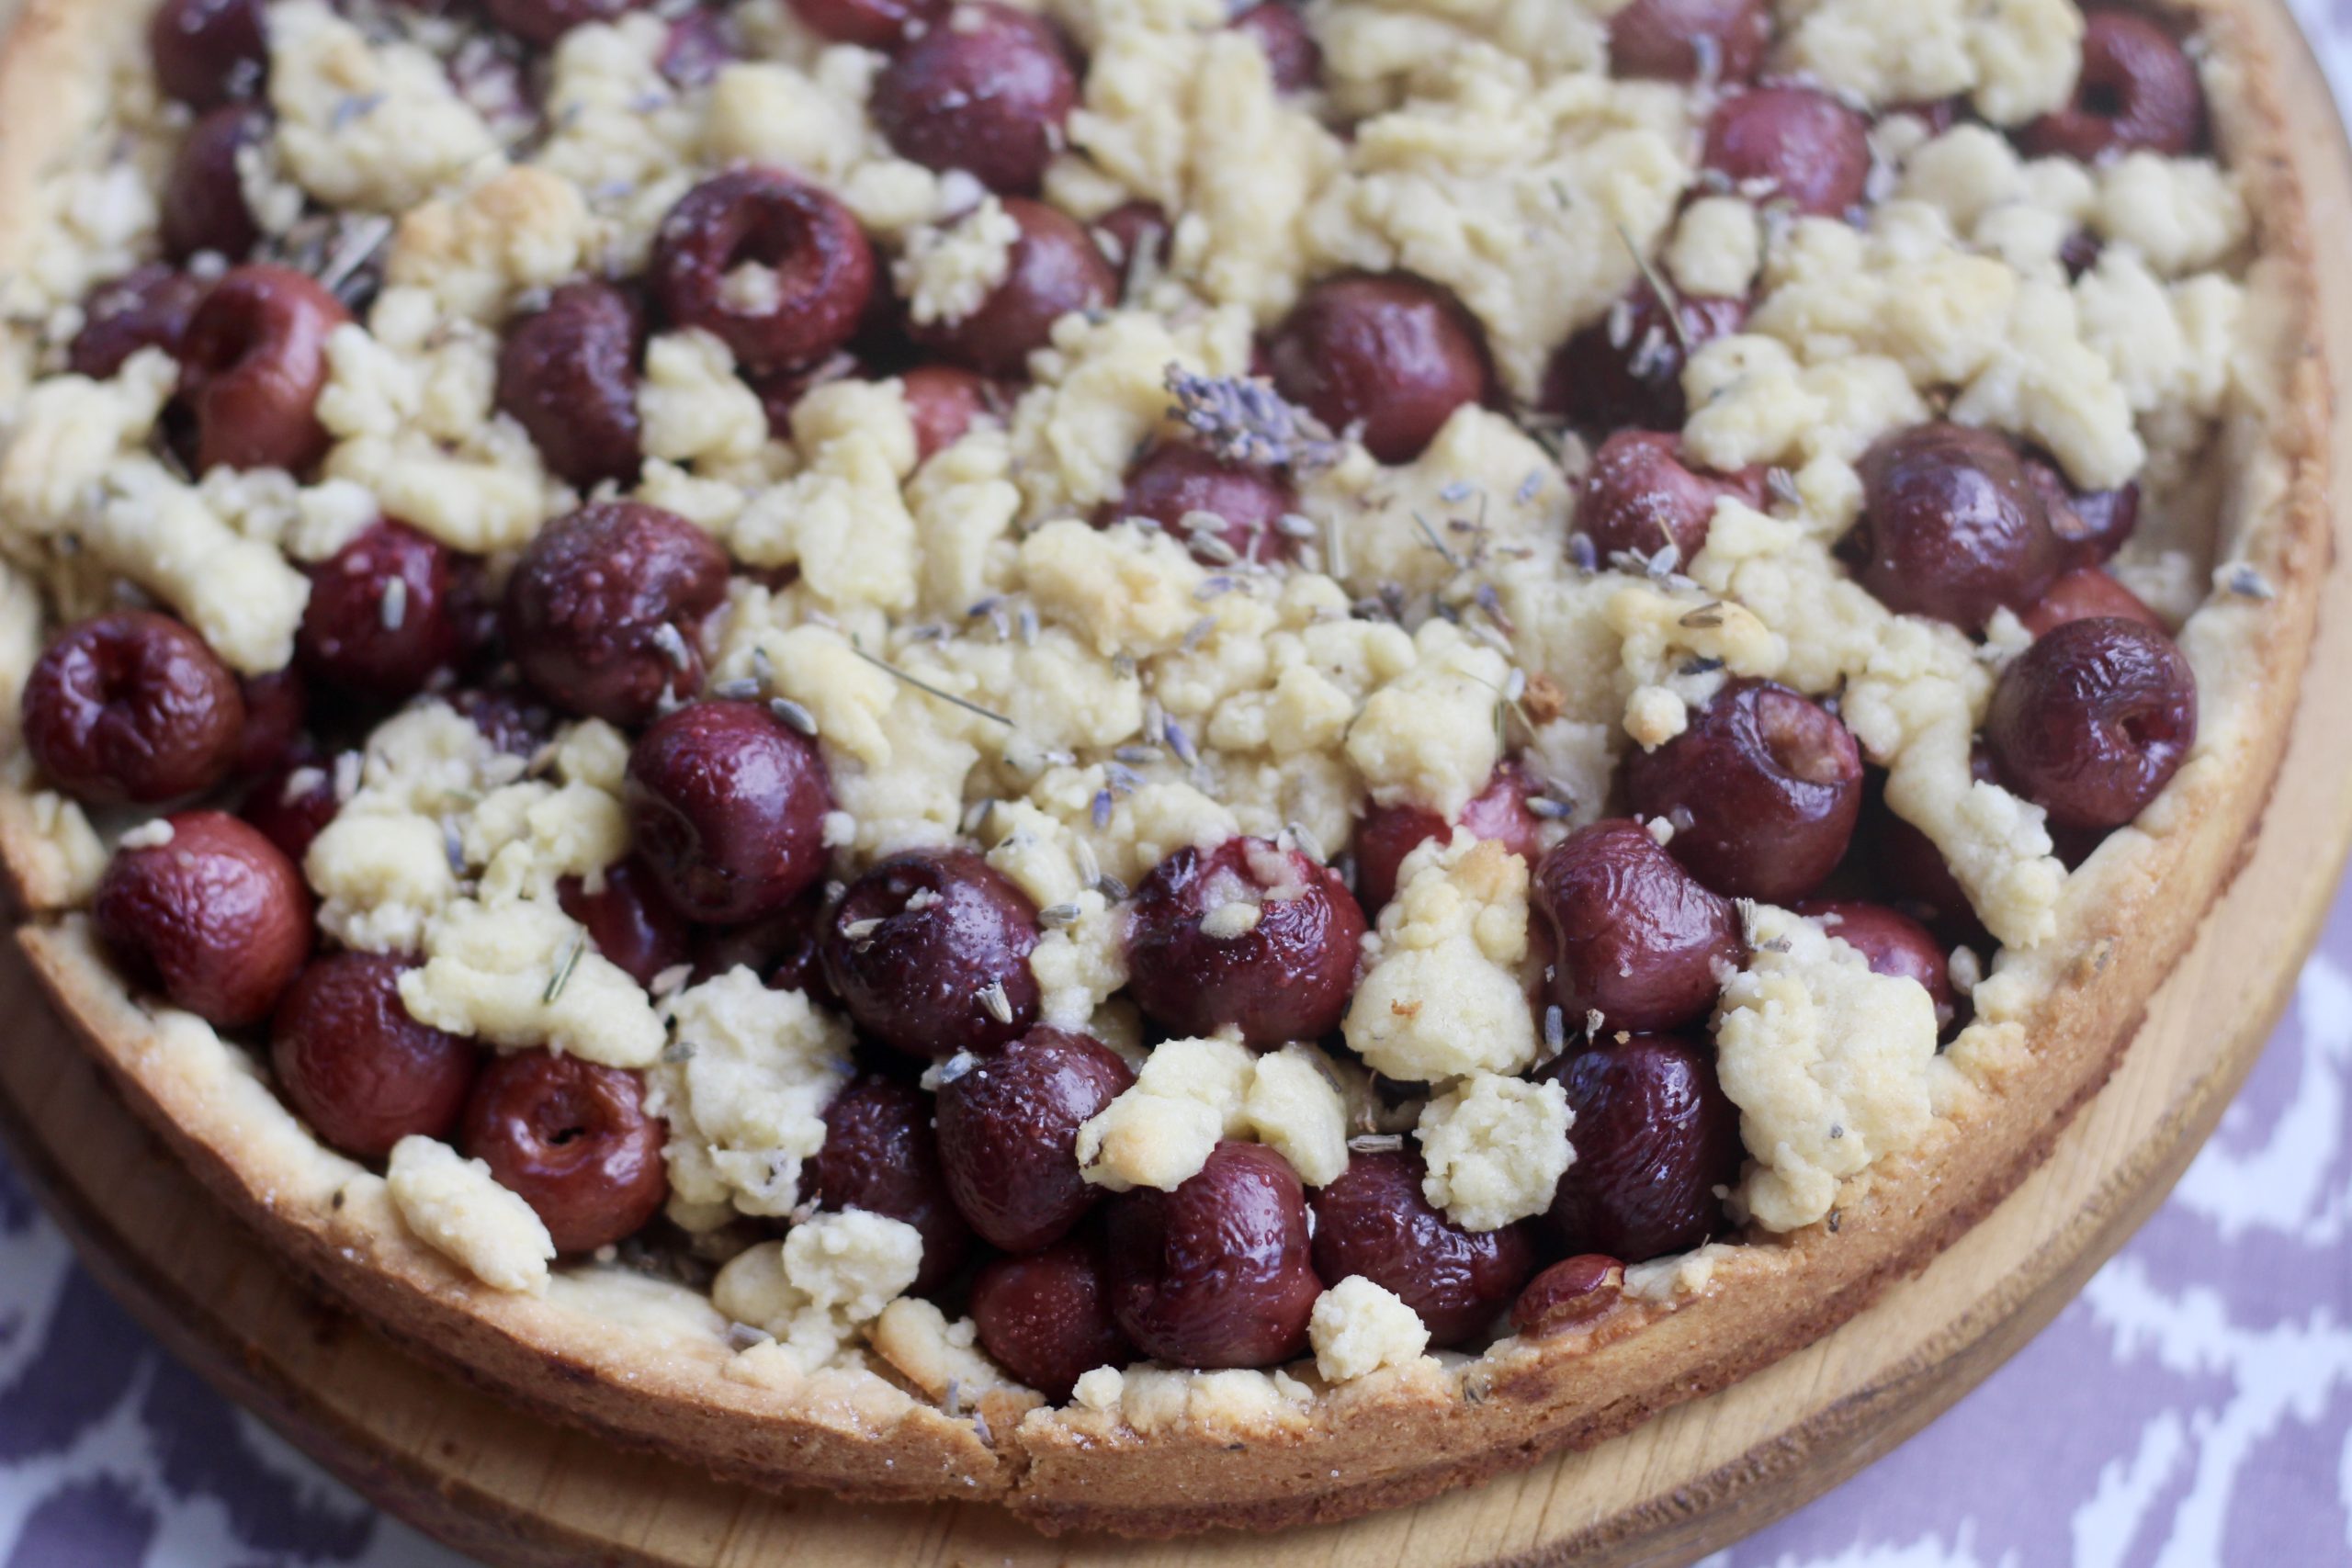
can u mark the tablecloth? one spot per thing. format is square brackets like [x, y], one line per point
[2193, 1408]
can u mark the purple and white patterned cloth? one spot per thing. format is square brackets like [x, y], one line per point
[2192, 1408]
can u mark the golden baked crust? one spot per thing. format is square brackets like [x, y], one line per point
[648, 1365]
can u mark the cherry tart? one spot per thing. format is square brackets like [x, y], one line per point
[1191, 804]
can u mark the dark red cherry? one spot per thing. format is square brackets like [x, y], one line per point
[1895, 943]
[2091, 525]
[148, 307]
[2086, 593]
[879, 1155]
[629, 921]
[1636, 938]
[1285, 973]
[881, 24]
[1055, 269]
[291, 804]
[1626, 368]
[2136, 89]
[355, 1066]
[1217, 1272]
[1008, 1125]
[815, 268]
[1640, 495]
[781, 949]
[987, 92]
[727, 804]
[2093, 720]
[252, 365]
[1393, 355]
[1046, 1319]
[207, 52]
[1376, 1222]
[574, 1140]
[378, 623]
[204, 195]
[1762, 790]
[132, 707]
[1133, 228]
[944, 401]
[1176, 482]
[1952, 527]
[277, 704]
[1389, 833]
[215, 918]
[1279, 28]
[603, 610]
[1793, 145]
[1570, 1293]
[929, 952]
[1691, 40]
[568, 374]
[1654, 1137]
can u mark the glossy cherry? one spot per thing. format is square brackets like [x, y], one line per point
[879, 1155]
[1217, 1272]
[1047, 1318]
[1055, 269]
[378, 623]
[216, 918]
[1008, 1124]
[1375, 1221]
[629, 921]
[355, 1066]
[132, 707]
[774, 268]
[1393, 354]
[1389, 833]
[1793, 145]
[1636, 938]
[929, 952]
[2086, 593]
[987, 92]
[1626, 368]
[2136, 89]
[254, 363]
[727, 804]
[944, 401]
[204, 205]
[1691, 40]
[2093, 720]
[1762, 790]
[1951, 527]
[207, 52]
[568, 374]
[1284, 973]
[291, 804]
[1176, 482]
[1641, 494]
[148, 307]
[1569, 1294]
[1654, 1137]
[603, 608]
[574, 1140]
[881, 24]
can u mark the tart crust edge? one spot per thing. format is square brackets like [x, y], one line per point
[1398, 1436]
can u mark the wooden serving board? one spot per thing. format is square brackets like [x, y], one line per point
[515, 1491]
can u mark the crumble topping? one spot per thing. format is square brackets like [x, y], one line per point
[981, 664]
